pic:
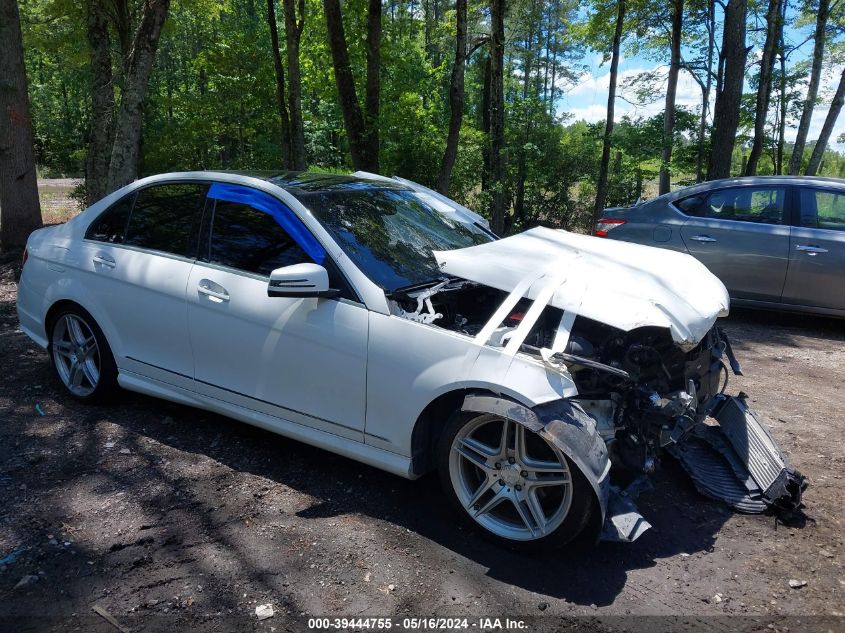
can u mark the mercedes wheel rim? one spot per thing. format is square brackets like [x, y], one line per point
[510, 480]
[76, 355]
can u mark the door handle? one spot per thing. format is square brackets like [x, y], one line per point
[218, 296]
[105, 260]
[811, 250]
[703, 238]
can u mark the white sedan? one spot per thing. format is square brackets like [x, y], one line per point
[378, 320]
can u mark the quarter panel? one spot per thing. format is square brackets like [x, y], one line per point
[144, 296]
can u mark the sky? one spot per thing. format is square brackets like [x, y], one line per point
[587, 99]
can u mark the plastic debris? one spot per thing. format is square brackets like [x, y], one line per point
[108, 445]
[39, 410]
[264, 611]
[797, 584]
[10, 558]
[125, 451]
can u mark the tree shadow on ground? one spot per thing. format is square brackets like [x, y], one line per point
[683, 522]
[788, 329]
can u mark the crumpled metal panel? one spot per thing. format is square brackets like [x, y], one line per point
[627, 285]
[624, 523]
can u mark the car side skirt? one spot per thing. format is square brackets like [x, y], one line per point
[364, 453]
[786, 307]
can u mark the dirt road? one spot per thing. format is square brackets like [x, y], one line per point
[171, 518]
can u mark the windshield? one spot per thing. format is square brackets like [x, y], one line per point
[390, 233]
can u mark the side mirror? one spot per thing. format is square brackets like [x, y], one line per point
[300, 280]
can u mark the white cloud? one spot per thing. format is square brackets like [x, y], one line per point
[588, 98]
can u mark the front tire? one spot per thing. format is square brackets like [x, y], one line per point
[81, 357]
[522, 491]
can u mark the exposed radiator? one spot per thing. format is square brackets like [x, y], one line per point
[738, 461]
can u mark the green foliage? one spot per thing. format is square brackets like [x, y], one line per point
[212, 98]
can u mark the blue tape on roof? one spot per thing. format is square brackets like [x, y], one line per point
[286, 218]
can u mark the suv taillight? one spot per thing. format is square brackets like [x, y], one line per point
[606, 225]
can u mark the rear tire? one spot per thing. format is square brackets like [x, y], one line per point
[81, 357]
[520, 490]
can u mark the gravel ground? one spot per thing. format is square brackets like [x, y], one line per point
[167, 517]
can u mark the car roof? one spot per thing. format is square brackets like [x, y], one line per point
[304, 182]
[755, 180]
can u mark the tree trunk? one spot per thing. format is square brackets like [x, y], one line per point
[546, 45]
[552, 89]
[671, 91]
[353, 119]
[293, 34]
[102, 104]
[705, 93]
[485, 124]
[827, 128]
[729, 98]
[20, 210]
[812, 90]
[372, 94]
[521, 166]
[764, 89]
[123, 167]
[284, 117]
[497, 115]
[456, 99]
[601, 186]
[782, 104]
[121, 16]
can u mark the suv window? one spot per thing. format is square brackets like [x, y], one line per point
[763, 205]
[111, 225]
[245, 238]
[164, 217]
[823, 209]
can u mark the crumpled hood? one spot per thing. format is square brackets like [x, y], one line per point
[618, 283]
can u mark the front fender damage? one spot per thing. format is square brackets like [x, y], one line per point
[567, 426]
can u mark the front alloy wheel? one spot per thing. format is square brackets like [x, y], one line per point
[510, 481]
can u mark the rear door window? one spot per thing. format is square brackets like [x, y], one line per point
[110, 226]
[761, 205]
[822, 209]
[165, 218]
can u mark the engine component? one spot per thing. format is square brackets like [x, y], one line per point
[738, 461]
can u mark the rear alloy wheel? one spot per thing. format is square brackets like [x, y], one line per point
[519, 488]
[81, 356]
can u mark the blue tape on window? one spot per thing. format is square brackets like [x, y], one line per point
[286, 218]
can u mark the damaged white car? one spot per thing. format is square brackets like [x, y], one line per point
[379, 320]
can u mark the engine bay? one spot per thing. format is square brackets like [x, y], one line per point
[648, 395]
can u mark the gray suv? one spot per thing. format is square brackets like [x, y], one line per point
[774, 241]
